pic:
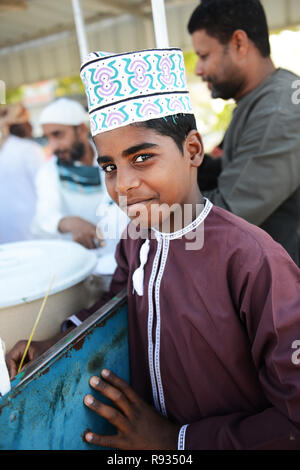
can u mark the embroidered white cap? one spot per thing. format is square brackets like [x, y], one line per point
[134, 86]
[64, 111]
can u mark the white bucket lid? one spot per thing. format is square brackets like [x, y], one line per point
[26, 269]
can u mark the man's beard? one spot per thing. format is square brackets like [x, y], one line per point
[77, 151]
[232, 80]
[76, 154]
[225, 90]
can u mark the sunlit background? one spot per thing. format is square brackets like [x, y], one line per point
[213, 116]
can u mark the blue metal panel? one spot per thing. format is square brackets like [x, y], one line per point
[45, 410]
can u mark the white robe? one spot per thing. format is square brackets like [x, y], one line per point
[20, 159]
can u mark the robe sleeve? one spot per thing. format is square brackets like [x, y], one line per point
[269, 303]
[118, 283]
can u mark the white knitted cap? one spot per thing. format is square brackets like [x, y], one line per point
[64, 111]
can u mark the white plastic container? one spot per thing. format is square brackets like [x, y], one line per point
[26, 269]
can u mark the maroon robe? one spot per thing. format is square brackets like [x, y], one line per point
[228, 314]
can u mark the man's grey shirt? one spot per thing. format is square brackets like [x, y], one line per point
[260, 177]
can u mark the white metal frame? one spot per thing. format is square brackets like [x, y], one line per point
[159, 21]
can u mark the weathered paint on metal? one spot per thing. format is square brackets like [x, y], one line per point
[45, 410]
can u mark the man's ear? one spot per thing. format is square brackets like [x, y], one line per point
[193, 148]
[240, 43]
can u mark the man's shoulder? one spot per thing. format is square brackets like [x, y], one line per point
[25, 144]
[279, 82]
[48, 170]
[285, 75]
[270, 100]
[281, 85]
[280, 79]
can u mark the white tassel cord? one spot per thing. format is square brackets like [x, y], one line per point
[138, 275]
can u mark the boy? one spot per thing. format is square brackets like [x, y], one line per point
[213, 302]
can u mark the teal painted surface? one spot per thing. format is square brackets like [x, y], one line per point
[46, 411]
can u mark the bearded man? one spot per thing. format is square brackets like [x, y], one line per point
[72, 199]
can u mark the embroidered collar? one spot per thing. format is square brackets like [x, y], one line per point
[180, 233]
[138, 275]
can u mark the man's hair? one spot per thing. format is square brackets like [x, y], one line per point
[18, 130]
[221, 18]
[177, 127]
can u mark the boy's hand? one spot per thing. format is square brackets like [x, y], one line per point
[139, 426]
[14, 357]
[83, 232]
[36, 348]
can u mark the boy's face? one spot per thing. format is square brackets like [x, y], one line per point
[146, 173]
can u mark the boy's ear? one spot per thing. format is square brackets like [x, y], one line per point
[193, 148]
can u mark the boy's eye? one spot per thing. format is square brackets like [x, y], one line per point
[108, 168]
[142, 158]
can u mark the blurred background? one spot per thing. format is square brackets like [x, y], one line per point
[40, 49]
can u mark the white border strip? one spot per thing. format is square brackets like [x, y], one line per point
[164, 257]
[181, 437]
[150, 324]
[188, 228]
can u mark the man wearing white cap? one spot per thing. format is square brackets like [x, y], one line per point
[71, 192]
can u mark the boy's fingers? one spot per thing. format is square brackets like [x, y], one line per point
[108, 412]
[103, 441]
[121, 384]
[115, 394]
[12, 369]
